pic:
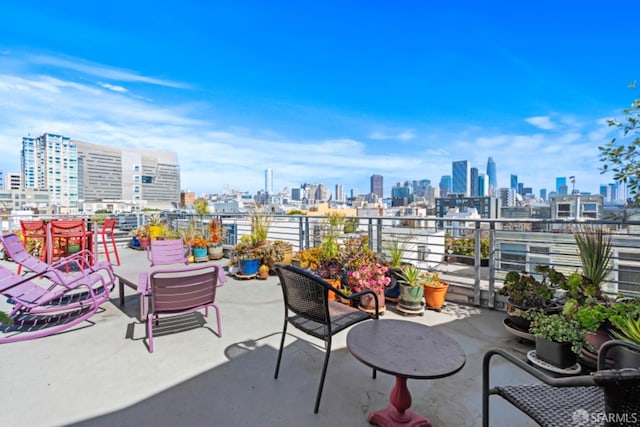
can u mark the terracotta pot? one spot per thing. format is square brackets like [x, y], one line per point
[336, 283]
[367, 302]
[434, 297]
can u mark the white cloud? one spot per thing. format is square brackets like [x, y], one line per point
[542, 122]
[406, 135]
[103, 71]
[114, 88]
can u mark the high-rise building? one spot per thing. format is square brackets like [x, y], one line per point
[140, 177]
[376, 185]
[491, 174]
[296, 194]
[445, 185]
[268, 181]
[1, 179]
[483, 185]
[474, 182]
[339, 193]
[461, 174]
[12, 181]
[514, 182]
[561, 186]
[543, 194]
[50, 163]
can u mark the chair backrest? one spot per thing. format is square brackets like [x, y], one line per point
[165, 252]
[16, 251]
[304, 294]
[35, 228]
[621, 386]
[108, 226]
[68, 227]
[183, 289]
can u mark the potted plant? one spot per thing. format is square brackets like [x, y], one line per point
[411, 284]
[559, 340]
[307, 258]
[395, 250]
[248, 256]
[526, 292]
[627, 329]
[154, 225]
[331, 270]
[372, 276]
[215, 239]
[199, 246]
[435, 290]
[263, 272]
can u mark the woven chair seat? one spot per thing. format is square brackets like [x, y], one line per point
[553, 406]
[342, 316]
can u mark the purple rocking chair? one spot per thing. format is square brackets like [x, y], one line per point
[82, 264]
[180, 290]
[42, 307]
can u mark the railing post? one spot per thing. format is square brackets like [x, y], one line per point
[306, 232]
[379, 236]
[492, 265]
[476, 265]
[370, 233]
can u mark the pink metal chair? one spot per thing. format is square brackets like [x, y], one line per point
[79, 265]
[39, 310]
[107, 232]
[166, 252]
[180, 290]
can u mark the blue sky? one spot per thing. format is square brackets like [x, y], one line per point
[330, 91]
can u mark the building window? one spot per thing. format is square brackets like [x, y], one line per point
[147, 179]
[136, 188]
[513, 257]
[590, 210]
[564, 210]
[136, 168]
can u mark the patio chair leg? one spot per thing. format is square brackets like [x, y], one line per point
[324, 373]
[215, 307]
[284, 334]
[150, 332]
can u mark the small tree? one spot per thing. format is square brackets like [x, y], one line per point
[623, 157]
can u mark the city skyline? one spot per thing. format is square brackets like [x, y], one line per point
[325, 93]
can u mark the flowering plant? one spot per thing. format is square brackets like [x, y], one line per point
[369, 276]
[330, 268]
[199, 242]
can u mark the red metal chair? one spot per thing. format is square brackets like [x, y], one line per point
[63, 233]
[35, 230]
[108, 232]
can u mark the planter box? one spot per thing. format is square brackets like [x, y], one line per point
[557, 353]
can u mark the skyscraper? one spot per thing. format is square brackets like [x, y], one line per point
[268, 181]
[376, 185]
[445, 185]
[474, 189]
[491, 174]
[461, 177]
[339, 193]
[561, 186]
[50, 163]
[483, 185]
[514, 182]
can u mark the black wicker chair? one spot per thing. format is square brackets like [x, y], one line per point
[607, 397]
[307, 297]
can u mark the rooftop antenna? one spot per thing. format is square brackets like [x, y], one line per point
[573, 184]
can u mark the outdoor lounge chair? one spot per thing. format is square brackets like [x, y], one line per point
[307, 297]
[608, 397]
[79, 265]
[180, 290]
[166, 252]
[42, 308]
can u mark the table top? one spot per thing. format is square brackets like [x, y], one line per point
[403, 348]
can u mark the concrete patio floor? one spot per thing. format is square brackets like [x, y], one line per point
[101, 373]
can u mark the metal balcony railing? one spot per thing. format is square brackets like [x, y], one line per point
[472, 255]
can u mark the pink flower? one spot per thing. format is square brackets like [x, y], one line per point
[369, 276]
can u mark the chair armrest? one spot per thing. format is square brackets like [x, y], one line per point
[365, 292]
[143, 283]
[222, 278]
[608, 345]
[582, 380]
